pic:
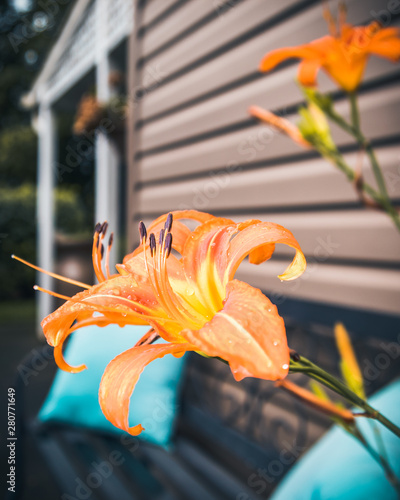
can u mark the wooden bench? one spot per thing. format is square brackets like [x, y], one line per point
[231, 440]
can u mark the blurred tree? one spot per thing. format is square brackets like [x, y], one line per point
[18, 151]
[27, 30]
[18, 231]
[27, 33]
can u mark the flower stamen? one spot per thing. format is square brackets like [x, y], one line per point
[53, 275]
[110, 243]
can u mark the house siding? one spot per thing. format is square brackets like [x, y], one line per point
[193, 145]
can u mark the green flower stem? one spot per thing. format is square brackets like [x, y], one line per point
[307, 367]
[354, 130]
[365, 143]
[378, 457]
[337, 159]
[355, 115]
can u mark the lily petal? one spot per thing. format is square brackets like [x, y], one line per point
[120, 378]
[204, 260]
[115, 298]
[308, 71]
[248, 333]
[277, 56]
[388, 48]
[258, 236]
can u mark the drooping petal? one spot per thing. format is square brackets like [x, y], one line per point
[119, 299]
[58, 348]
[62, 363]
[248, 333]
[121, 376]
[277, 56]
[259, 235]
[307, 73]
[387, 47]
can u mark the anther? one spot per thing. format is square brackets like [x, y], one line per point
[168, 223]
[161, 237]
[152, 240]
[102, 250]
[104, 228]
[142, 232]
[168, 244]
[110, 240]
[97, 227]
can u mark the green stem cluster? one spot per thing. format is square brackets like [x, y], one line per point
[380, 196]
[313, 371]
[303, 365]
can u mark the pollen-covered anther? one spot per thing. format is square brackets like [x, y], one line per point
[152, 240]
[142, 232]
[161, 237]
[97, 227]
[168, 222]
[168, 244]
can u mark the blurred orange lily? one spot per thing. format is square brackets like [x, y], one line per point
[343, 54]
[192, 302]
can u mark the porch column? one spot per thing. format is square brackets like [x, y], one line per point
[107, 160]
[45, 205]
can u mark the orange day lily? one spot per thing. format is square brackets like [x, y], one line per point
[343, 54]
[192, 301]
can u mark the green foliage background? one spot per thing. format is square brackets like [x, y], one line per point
[21, 57]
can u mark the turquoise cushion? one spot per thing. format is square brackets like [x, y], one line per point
[73, 398]
[339, 468]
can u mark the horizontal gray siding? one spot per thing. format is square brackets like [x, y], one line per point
[194, 145]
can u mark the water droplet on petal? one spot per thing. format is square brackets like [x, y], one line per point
[285, 366]
[189, 291]
[276, 342]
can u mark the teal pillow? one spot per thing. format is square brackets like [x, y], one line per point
[339, 468]
[73, 398]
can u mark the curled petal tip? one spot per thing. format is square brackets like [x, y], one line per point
[77, 369]
[136, 430]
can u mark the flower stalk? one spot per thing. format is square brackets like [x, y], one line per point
[303, 365]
